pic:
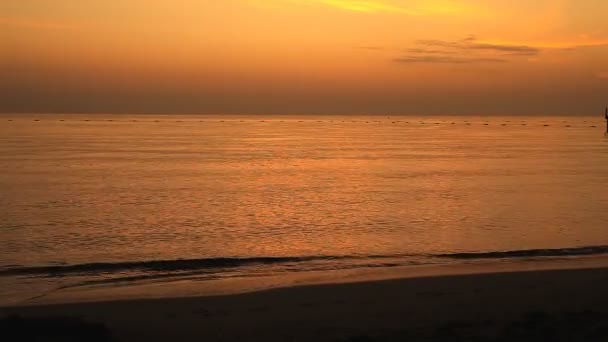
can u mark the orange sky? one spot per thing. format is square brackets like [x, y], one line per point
[304, 56]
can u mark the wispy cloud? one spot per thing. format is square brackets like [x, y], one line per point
[447, 60]
[472, 44]
[569, 45]
[368, 6]
[464, 51]
[411, 7]
[427, 51]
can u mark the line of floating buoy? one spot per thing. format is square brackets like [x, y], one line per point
[483, 123]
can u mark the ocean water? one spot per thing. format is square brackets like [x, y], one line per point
[111, 200]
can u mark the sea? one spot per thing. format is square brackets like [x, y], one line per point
[115, 201]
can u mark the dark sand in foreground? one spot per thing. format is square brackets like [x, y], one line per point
[440, 308]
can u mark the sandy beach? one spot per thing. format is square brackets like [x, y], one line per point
[437, 308]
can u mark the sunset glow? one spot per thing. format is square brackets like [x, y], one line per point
[304, 56]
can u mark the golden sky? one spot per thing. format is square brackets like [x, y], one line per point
[304, 56]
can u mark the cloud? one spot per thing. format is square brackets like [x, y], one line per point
[471, 43]
[410, 7]
[427, 51]
[570, 45]
[468, 50]
[447, 60]
[365, 6]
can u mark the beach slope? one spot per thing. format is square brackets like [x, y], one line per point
[492, 305]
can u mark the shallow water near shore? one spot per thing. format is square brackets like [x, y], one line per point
[109, 200]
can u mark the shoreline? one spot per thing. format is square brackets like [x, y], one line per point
[337, 311]
[189, 288]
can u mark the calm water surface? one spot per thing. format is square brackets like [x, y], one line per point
[119, 199]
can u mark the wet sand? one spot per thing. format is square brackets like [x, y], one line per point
[491, 304]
